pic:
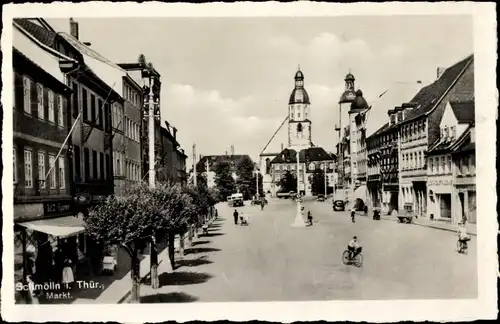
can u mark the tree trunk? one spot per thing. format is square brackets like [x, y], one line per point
[181, 243]
[155, 283]
[190, 235]
[136, 277]
[171, 249]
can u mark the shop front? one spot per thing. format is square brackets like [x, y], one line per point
[465, 197]
[46, 240]
[390, 194]
[439, 198]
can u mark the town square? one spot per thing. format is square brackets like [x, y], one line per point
[244, 160]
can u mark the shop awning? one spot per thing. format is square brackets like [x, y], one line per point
[60, 227]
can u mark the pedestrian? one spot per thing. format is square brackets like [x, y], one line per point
[235, 215]
[262, 205]
[309, 218]
[67, 274]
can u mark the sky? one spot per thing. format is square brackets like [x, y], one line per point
[226, 81]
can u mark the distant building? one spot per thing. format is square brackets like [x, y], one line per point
[206, 165]
[171, 157]
[311, 158]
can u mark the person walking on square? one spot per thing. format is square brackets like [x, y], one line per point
[235, 215]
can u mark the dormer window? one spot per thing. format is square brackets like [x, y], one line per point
[446, 133]
[453, 130]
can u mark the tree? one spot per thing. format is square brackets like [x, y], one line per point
[141, 59]
[318, 182]
[245, 169]
[126, 221]
[224, 180]
[288, 182]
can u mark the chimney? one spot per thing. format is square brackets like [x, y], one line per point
[282, 147]
[73, 28]
[232, 149]
[440, 71]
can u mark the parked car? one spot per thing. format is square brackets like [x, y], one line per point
[338, 205]
[321, 198]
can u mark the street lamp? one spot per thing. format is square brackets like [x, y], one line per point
[299, 220]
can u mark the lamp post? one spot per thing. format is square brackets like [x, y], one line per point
[299, 220]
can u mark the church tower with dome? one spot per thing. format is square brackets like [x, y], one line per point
[299, 114]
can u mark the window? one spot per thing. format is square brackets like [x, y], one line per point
[51, 113]
[27, 94]
[85, 103]
[78, 172]
[448, 158]
[101, 166]
[60, 112]
[276, 167]
[472, 164]
[28, 168]
[430, 168]
[442, 165]
[76, 102]
[14, 164]
[41, 168]
[39, 96]
[101, 113]
[107, 117]
[62, 174]
[108, 167]
[453, 130]
[93, 111]
[52, 176]
[463, 162]
[446, 132]
[419, 163]
[86, 161]
[94, 164]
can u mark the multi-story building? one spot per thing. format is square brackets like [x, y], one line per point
[41, 168]
[382, 145]
[420, 128]
[451, 166]
[132, 93]
[172, 159]
[147, 78]
[206, 165]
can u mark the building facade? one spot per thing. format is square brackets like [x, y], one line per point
[41, 169]
[420, 127]
[451, 183]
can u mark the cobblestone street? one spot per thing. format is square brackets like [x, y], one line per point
[270, 260]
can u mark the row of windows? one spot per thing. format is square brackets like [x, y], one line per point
[95, 110]
[413, 160]
[96, 165]
[132, 96]
[132, 129]
[133, 171]
[55, 101]
[292, 166]
[413, 131]
[382, 140]
[439, 165]
[117, 116]
[449, 133]
[57, 170]
[118, 160]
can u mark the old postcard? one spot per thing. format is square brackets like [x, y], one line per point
[269, 161]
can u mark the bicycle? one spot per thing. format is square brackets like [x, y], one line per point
[462, 247]
[357, 261]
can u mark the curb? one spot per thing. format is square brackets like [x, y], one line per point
[129, 292]
[429, 226]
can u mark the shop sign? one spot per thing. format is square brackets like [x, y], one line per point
[56, 207]
[440, 182]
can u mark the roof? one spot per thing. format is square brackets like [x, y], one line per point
[105, 69]
[359, 103]
[464, 144]
[395, 94]
[44, 35]
[299, 95]
[464, 111]
[305, 155]
[35, 53]
[349, 77]
[428, 97]
[440, 146]
[214, 159]
[379, 131]
[299, 75]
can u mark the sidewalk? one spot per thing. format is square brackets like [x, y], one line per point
[436, 224]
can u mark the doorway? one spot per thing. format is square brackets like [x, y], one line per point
[445, 206]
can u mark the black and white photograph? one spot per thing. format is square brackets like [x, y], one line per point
[280, 158]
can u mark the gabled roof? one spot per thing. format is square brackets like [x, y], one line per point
[312, 154]
[428, 97]
[440, 146]
[464, 144]
[464, 111]
[379, 131]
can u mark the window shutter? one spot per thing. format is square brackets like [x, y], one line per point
[19, 92]
[34, 101]
[46, 102]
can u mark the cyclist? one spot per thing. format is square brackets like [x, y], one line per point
[463, 237]
[353, 247]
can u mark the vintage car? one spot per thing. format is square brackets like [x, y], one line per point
[321, 197]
